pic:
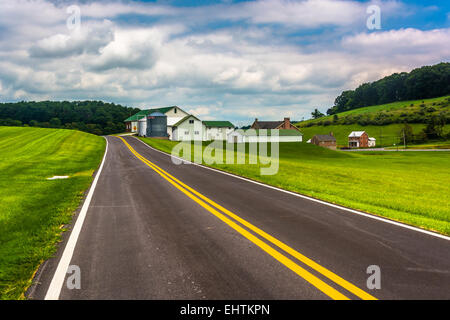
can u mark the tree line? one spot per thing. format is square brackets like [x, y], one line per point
[95, 117]
[421, 83]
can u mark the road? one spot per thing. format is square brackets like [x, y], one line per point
[156, 230]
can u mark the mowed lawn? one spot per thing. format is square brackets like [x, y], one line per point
[411, 187]
[32, 208]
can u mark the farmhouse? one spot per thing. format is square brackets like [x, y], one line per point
[285, 124]
[360, 139]
[261, 135]
[324, 140]
[372, 142]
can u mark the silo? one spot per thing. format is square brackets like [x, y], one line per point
[157, 125]
[142, 127]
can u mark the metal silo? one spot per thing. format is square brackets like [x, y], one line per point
[157, 125]
[142, 127]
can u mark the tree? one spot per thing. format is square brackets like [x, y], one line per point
[55, 123]
[421, 83]
[434, 128]
[107, 118]
[317, 114]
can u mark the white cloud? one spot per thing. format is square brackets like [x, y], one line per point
[235, 72]
[88, 39]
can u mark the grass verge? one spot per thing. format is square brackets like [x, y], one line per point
[32, 208]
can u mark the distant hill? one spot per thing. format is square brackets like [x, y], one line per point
[421, 83]
[95, 117]
[386, 122]
[413, 111]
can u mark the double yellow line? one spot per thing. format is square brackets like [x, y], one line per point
[225, 216]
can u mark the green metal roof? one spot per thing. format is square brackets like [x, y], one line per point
[146, 112]
[218, 124]
[281, 132]
[135, 117]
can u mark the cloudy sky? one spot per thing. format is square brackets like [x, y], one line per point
[230, 60]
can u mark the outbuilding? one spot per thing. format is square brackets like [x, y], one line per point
[324, 140]
[189, 128]
[218, 130]
[257, 135]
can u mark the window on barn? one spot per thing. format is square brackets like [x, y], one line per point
[191, 121]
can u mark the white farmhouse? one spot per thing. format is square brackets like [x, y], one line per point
[259, 135]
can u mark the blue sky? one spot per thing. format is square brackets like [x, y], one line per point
[230, 60]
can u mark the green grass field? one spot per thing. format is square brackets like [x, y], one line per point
[410, 187]
[32, 208]
[395, 109]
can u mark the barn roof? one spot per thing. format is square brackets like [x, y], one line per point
[218, 124]
[356, 134]
[184, 119]
[281, 132]
[146, 112]
[325, 137]
[268, 124]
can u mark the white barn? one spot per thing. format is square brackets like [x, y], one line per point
[174, 114]
[259, 135]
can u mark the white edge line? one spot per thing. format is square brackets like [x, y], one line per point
[368, 215]
[56, 285]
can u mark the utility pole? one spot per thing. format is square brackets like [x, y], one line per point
[404, 139]
[381, 136]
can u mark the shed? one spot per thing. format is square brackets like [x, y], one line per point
[324, 140]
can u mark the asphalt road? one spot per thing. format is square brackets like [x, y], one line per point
[145, 238]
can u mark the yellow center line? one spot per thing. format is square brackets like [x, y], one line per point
[325, 288]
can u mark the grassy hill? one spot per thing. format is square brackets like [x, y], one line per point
[383, 122]
[411, 187]
[416, 111]
[32, 208]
